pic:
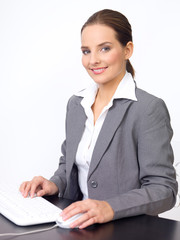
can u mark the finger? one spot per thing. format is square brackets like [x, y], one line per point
[35, 185]
[85, 220]
[25, 192]
[22, 187]
[74, 209]
[33, 189]
[70, 214]
[68, 209]
[79, 221]
[87, 223]
[41, 193]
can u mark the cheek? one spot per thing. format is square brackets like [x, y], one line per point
[115, 58]
[84, 61]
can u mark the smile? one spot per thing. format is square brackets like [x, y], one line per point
[98, 70]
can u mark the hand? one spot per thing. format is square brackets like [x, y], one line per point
[94, 212]
[39, 186]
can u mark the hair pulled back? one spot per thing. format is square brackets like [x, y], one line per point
[119, 23]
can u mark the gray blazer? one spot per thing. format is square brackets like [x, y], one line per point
[131, 166]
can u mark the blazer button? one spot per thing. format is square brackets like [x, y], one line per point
[94, 184]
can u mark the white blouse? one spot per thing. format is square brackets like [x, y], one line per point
[126, 89]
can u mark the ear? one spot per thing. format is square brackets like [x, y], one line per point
[129, 50]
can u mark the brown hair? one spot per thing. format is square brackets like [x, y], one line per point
[119, 23]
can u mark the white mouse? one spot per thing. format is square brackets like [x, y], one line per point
[66, 224]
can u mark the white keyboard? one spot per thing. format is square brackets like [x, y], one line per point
[25, 211]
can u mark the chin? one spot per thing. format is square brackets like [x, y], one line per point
[99, 79]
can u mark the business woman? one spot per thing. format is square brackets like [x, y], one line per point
[117, 159]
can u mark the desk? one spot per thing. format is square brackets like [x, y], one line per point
[134, 228]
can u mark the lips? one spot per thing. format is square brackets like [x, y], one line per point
[98, 70]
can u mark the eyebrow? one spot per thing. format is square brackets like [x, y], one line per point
[99, 45]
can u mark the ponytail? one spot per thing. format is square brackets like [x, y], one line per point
[130, 68]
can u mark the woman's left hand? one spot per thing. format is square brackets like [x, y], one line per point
[94, 211]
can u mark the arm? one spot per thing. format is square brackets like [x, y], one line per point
[59, 177]
[42, 186]
[157, 175]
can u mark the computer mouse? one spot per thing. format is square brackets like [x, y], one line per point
[66, 224]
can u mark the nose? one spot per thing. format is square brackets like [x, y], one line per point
[94, 58]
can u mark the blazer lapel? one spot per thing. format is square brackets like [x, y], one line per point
[112, 121]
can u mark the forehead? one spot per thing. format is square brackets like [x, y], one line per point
[96, 34]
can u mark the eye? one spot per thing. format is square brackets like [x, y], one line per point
[85, 52]
[105, 49]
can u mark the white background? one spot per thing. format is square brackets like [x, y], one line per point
[40, 68]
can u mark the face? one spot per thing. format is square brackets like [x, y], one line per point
[104, 57]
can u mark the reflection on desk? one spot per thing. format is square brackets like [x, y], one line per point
[134, 228]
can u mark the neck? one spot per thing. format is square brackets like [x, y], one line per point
[106, 91]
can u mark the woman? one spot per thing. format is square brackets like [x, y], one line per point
[117, 158]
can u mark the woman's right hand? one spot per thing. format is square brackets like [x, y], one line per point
[38, 186]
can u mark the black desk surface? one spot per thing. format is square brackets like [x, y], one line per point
[134, 228]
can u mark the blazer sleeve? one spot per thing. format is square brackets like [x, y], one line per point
[155, 158]
[59, 177]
